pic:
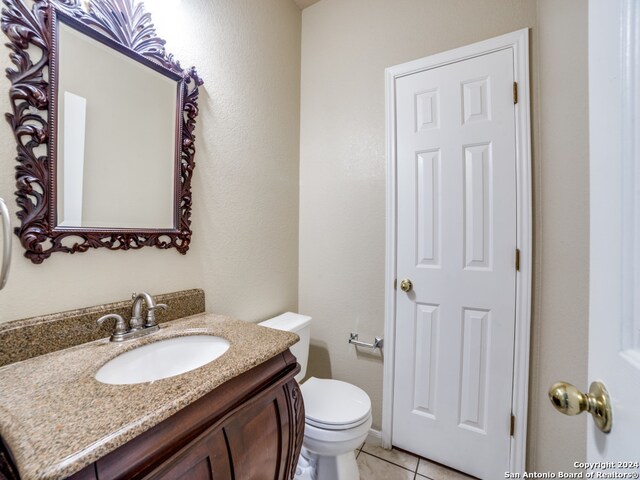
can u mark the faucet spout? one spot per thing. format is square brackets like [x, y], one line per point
[136, 310]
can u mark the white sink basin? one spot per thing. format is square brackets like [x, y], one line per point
[163, 359]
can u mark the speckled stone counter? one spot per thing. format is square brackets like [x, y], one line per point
[57, 419]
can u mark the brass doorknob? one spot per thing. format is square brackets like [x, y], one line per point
[569, 400]
[406, 285]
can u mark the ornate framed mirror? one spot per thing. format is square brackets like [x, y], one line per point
[103, 118]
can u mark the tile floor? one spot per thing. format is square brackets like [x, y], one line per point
[375, 463]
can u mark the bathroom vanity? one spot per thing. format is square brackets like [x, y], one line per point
[245, 428]
[240, 416]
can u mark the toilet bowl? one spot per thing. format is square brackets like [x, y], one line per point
[337, 414]
[337, 421]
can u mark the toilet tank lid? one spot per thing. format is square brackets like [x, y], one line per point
[289, 322]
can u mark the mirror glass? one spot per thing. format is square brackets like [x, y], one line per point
[116, 138]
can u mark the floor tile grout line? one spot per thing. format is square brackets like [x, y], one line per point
[416, 475]
[385, 460]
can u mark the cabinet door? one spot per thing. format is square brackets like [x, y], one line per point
[255, 442]
[258, 437]
[205, 459]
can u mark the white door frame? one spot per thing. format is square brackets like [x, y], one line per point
[519, 42]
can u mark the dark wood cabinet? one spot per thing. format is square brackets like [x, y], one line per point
[207, 457]
[250, 427]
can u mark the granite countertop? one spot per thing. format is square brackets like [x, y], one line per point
[57, 418]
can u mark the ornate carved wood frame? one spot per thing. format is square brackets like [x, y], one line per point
[31, 26]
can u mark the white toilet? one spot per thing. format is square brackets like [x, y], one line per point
[337, 414]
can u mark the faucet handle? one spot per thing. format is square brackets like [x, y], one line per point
[121, 325]
[151, 314]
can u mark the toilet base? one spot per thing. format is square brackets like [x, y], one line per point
[339, 467]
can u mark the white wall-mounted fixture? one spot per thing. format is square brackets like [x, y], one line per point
[6, 244]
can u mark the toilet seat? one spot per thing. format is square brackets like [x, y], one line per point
[334, 405]
[329, 426]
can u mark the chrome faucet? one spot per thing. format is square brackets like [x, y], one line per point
[136, 311]
[136, 327]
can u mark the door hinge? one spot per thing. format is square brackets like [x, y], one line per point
[515, 92]
[517, 259]
[395, 283]
[513, 425]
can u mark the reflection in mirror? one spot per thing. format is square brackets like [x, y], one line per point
[113, 170]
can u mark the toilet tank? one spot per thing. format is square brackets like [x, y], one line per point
[300, 325]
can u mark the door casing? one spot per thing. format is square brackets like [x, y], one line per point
[518, 41]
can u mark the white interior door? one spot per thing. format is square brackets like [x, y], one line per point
[614, 316]
[456, 242]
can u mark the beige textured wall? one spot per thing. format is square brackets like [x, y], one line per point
[346, 44]
[561, 289]
[245, 243]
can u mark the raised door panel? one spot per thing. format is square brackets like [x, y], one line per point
[473, 385]
[478, 195]
[425, 367]
[428, 208]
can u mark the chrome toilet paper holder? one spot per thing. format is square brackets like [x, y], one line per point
[377, 342]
